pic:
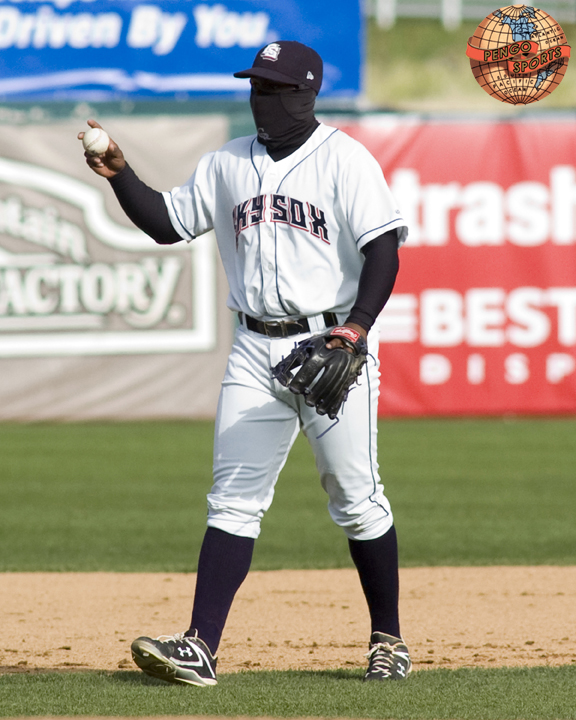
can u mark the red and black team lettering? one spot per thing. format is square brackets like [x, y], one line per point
[282, 209]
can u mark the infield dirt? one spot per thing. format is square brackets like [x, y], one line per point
[292, 619]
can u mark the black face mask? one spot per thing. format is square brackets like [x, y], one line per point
[284, 117]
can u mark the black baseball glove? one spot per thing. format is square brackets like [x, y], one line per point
[326, 375]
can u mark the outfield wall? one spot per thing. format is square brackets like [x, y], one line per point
[97, 321]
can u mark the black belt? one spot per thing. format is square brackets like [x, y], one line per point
[284, 328]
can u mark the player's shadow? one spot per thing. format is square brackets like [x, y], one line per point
[336, 674]
[139, 678]
[135, 677]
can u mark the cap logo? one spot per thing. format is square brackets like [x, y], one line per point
[309, 76]
[271, 52]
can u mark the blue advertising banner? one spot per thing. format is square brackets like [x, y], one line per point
[116, 49]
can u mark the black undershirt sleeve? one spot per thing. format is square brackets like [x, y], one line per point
[376, 279]
[144, 206]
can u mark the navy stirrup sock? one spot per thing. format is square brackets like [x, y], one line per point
[222, 567]
[225, 561]
[377, 564]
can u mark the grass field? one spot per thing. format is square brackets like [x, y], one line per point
[513, 694]
[465, 492]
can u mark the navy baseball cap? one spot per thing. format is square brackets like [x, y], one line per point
[287, 61]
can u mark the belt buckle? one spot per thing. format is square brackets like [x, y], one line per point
[283, 328]
[275, 330]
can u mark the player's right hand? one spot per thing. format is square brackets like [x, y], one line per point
[109, 164]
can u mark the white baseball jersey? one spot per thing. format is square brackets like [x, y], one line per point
[289, 232]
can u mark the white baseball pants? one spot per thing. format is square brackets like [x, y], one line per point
[256, 425]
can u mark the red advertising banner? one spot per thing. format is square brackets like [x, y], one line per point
[483, 315]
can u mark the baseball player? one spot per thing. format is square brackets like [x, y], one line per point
[309, 234]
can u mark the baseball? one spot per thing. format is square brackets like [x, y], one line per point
[95, 141]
